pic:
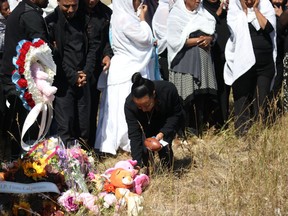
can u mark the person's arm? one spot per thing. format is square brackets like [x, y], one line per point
[174, 120]
[203, 41]
[93, 45]
[71, 75]
[34, 25]
[135, 134]
[190, 42]
[244, 6]
[260, 17]
[140, 33]
[278, 10]
[106, 63]
[223, 6]
[108, 50]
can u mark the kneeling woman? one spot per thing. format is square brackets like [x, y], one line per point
[153, 108]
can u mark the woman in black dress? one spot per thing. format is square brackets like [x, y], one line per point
[153, 109]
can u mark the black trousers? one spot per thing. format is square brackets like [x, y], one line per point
[95, 97]
[221, 111]
[72, 113]
[250, 93]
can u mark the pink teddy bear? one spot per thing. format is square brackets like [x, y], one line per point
[40, 79]
[141, 181]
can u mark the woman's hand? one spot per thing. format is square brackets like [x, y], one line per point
[223, 6]
[256, 4]
[204, 42]
[159, 136]
[244, 6]
[106, 63]
[143, 12]
[278, 10]
[220, 9]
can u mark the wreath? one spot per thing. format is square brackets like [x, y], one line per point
[31, 56]
[33, 77]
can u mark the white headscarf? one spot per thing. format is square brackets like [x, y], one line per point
[239, 52]
[159, 24]
[132, 43]
[182, 22]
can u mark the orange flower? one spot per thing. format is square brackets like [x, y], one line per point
[108, 187]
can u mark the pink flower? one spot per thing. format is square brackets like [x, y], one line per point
[68, 201]
[91, 176]
[76, 152]
[89, 201]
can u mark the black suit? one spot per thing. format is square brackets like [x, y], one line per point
[75, 51]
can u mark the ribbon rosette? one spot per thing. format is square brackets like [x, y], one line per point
[33, 77]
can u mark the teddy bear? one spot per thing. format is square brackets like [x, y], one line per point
[122, 180]
[41, 82]
[141, 181]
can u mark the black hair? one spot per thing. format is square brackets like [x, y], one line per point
[283, 4]
[141, 86]
[2, 1]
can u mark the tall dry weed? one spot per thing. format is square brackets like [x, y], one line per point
[224, 175]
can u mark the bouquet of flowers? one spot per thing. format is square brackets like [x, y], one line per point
[72, 170]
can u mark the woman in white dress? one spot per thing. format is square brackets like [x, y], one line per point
[159, 26]
[132, 44]
[190, 35]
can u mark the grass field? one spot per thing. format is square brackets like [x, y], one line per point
[222, 175]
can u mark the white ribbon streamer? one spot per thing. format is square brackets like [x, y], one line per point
[46, 119]
[21, 188]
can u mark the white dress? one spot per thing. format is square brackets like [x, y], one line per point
[132, 43]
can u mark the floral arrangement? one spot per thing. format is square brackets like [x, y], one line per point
[29, 53]
[83, 190]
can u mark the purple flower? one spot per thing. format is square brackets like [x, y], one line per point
[68, 201]
[61, 153]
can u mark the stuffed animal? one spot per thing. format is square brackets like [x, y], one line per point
[140, 181]
[121, 178]
[109, 199]
[40, 79]
[133, 201]
[123, 182]
[127, 165]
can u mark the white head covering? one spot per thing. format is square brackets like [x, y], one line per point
[239, 52]
[132, 43]
[159, 24]
[182, 22]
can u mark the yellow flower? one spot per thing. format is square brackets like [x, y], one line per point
[35, 169]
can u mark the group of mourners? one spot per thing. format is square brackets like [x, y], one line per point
[149, 69]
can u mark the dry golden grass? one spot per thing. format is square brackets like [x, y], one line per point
[222, 175]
